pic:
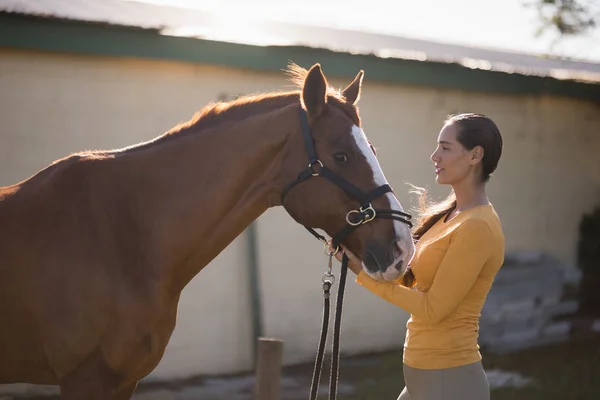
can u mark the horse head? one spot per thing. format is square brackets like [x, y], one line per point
[341, 187]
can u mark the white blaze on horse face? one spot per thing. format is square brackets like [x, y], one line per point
[402, 230]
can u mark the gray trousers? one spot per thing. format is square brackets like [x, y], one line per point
[467, 382]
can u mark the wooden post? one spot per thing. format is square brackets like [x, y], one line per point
[268, 369]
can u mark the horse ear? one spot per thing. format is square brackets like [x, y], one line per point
[352, 92]
[314, 92]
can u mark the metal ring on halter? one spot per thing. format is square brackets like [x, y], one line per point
[364, 210]
[326, 249]
[367, 214]
[310, 166]
[348, 218]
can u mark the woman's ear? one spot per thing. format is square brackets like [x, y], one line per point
[476, 155]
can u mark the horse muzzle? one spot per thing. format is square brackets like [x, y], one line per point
[385, 260]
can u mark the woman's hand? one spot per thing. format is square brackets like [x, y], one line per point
[354, 264]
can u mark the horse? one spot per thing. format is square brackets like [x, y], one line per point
[96, 248]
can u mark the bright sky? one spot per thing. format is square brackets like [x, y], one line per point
[503, 24]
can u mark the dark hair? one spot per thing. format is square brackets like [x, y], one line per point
[474, 130]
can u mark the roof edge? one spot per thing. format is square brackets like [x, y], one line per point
[69, 36]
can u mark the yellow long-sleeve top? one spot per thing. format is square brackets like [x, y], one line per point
[454, 265]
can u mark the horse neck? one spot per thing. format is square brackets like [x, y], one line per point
[200, 191]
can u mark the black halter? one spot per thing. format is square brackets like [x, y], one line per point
[354, 218]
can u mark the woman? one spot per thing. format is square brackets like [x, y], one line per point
[460, 248]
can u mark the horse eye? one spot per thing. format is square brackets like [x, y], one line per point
[340, 157]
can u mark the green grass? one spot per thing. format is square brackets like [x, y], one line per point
[565, 371]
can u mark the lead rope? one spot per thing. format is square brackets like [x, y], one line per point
[328, 280]
[335, 356]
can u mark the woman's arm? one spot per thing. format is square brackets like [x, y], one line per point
[469, 250]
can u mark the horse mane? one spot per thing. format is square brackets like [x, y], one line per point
[216, 113]
[297, 75]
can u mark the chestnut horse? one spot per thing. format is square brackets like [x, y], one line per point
[96, 248]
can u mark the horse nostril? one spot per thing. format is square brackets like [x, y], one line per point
[380, 258]
[397, 249]
[370, 262]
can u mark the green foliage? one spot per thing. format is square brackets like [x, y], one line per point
[566, 17]
[588, 258]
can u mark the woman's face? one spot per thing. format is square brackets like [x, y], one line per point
[453, 162]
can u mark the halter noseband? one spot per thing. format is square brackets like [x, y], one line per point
[354, 218]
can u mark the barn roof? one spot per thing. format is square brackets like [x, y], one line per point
[122, 27]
